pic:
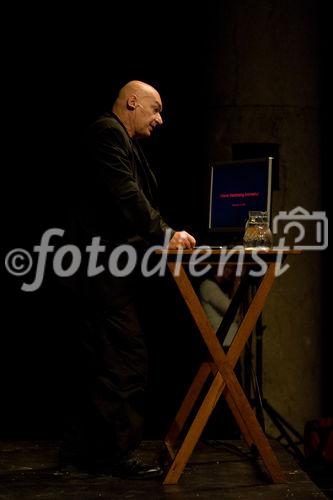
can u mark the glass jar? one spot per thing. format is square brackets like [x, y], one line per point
[257, 232]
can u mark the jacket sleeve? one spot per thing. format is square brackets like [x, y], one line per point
[112, 158]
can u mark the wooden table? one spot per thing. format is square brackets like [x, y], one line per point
[221, 364]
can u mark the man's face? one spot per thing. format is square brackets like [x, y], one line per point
[147, 114]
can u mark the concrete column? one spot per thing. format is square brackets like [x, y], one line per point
[265, 88]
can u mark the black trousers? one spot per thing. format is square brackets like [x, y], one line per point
[110, 370]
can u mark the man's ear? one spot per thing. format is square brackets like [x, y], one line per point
[131, 101]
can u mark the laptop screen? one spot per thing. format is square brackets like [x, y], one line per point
[236, 187]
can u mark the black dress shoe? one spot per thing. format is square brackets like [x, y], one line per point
[134, 468]
[128, 467]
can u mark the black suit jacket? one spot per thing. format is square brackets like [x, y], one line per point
[115, 199]
[119, 201]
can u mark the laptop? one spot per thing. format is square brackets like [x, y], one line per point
[236, 187]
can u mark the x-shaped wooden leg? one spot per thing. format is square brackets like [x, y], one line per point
[225, 380]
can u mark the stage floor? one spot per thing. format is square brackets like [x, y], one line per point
[217, 470]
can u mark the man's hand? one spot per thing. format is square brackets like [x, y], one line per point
[181, 239]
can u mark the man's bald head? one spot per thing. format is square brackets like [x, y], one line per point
[138, 106]
[136, 87]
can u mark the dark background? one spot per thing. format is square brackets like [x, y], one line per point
[59, 72]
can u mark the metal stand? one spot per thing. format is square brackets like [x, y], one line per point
[288, 436]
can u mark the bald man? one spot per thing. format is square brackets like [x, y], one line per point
[119, 205]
